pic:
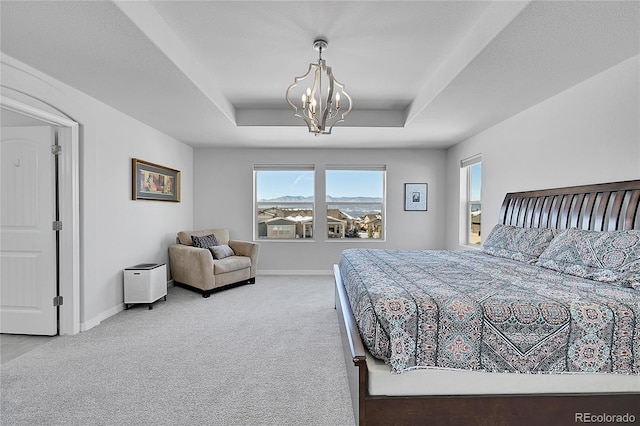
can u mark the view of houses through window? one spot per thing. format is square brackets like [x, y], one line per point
[474, 202]
[355, 202]
[285, 202]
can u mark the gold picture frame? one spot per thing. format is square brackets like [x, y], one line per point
[154, 182]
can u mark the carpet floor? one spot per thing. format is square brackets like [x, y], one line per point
[263, 354]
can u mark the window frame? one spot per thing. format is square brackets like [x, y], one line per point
[333, 204]
[310, 205]
[467, 165]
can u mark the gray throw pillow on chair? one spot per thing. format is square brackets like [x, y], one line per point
[222, 251]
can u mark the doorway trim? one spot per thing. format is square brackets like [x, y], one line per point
[69, 205]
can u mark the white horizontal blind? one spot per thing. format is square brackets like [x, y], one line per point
[371, 167]
[283, 167]
[471, 161]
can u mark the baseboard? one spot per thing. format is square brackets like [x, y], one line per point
[88, 325]
[294, 272]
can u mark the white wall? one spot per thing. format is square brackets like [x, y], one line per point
[115, 232]
[587, 134]
[223, 197]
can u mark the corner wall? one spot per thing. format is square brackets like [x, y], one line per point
[115, 232]
[223, 198]
[588, 134]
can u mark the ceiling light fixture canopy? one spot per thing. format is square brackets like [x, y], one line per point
[322, 102]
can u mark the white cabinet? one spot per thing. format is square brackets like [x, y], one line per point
[145, 283]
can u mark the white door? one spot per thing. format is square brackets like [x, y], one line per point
[28, 264]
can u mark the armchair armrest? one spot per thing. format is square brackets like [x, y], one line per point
[248, 249]
[191, 265]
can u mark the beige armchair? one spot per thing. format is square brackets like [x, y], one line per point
[197, 268]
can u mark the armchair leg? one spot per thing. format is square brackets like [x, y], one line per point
[206, 294]
[251, 280]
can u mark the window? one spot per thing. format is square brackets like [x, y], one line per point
[355, 202]
[284, 202]
[472, 172]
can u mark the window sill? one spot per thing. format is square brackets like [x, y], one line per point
[285, 240]
[355, 240]
[471, 247]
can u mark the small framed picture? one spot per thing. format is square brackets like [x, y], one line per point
[415, 196]
[154, 182]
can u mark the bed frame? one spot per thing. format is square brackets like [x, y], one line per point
[602, 207]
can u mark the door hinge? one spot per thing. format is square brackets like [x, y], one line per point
[57, 225]
[56, 149]
[57, 301]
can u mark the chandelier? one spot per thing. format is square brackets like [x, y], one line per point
[323, 103]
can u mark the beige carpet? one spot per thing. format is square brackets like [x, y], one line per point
[263, 354]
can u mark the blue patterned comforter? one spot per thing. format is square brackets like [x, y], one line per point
[470, 310]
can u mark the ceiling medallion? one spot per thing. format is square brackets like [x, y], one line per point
[323, 103]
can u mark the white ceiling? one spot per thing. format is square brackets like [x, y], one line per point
[421, 73]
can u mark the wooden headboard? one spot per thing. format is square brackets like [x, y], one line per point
[599, 207]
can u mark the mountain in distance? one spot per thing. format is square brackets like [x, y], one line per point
[298, 198]
[353, 210]
[354, 199]
[288, 199]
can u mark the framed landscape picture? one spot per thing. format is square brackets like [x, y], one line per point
[154, 182]
[415, 196]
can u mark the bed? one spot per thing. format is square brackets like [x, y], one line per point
[516, 333]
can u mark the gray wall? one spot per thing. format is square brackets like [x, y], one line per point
[115, 232]
[587, 134]
[223, 197]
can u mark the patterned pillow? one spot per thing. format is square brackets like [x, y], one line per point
[204, 242]
[516, 243]
[601, 256]
[220, 252]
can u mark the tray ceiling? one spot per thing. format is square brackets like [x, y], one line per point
[421, 73]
